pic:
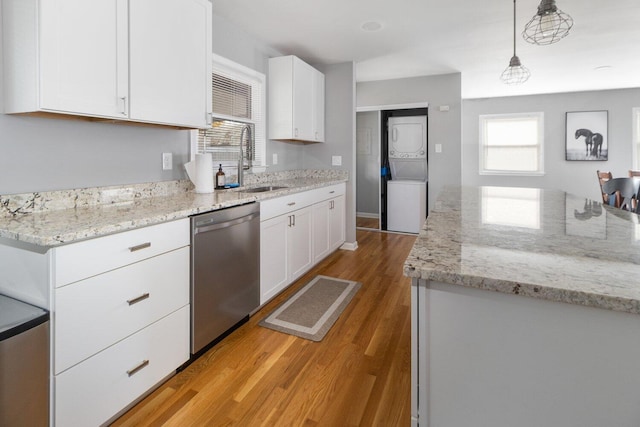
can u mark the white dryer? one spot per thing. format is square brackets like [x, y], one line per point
[407, 137]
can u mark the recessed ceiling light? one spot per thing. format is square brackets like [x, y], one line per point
[371, 26]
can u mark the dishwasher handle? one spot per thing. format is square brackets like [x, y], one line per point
[217, 226]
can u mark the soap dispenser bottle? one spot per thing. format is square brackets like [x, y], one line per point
[220, 178]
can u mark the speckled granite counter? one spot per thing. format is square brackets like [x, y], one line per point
[55, 218]
[538, 243]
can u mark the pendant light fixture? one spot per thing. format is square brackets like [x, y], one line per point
[515, 73]
[549, 25]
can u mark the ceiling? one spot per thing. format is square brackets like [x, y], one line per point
[473, 37]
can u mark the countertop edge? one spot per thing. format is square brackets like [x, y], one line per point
[543, 292]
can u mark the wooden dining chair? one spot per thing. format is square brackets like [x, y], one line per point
[614, 200]
[628, 190]
[633, 173]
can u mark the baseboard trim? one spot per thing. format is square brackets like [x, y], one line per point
[349, 246]
[368, 215]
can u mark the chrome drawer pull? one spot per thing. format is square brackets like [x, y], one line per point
[331, 192]
[291, 204]
[138, 299]
[133, 371]
[141, 246]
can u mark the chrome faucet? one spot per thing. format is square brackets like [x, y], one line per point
[241, 166]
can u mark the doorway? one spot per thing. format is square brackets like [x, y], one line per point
[368, 170]
[373, 166]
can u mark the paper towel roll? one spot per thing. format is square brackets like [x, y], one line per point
[204, 173]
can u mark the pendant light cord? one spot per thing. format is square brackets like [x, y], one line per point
[514, 27]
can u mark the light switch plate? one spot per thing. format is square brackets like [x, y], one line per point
[336, 160]
[167, 161]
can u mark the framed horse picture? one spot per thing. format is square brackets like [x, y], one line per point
[586, 137]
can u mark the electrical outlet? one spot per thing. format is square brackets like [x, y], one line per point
[438, 148]
[167, 161]
[336, 160]
[274, 159]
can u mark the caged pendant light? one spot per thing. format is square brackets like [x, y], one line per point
[515, 73]
[549, 25]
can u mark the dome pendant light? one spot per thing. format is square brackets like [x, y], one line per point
[515, 73]
[549, 25]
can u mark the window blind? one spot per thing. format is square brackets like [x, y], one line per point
[238, 100]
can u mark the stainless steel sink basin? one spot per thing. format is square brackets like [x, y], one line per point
[262, 189]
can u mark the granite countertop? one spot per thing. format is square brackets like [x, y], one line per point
[44, 220]
[539, 243]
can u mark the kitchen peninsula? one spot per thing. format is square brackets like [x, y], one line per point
[525, 311]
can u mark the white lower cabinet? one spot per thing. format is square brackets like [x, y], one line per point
[273, 256]
[328, 227]
[120, 315]
[296, 232]
[300, 257]
[336, 223]
[90, 393]
[286, 252]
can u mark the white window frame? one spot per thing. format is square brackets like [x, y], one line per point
[635, 124]
[485, 118]
[257, 81]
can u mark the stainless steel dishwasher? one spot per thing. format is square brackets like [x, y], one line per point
[225, 272]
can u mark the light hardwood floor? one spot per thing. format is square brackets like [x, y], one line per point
[363, 222]
[358, 375]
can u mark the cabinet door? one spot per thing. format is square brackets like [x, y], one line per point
[303, 107]
[300, 243]
[170, 51]
[336, 223]
[83, 57]
[318, 106]
[321, 230]
[273, 256]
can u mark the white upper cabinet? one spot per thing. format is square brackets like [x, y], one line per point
[170, 61]
[318, 106]
[140, 60]
[296, 100]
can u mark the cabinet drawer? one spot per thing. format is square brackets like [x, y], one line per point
[329, 192]
[285, 204]
[92, 392]
[80, 260]
[94, 313]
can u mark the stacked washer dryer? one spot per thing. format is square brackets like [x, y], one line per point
[407, 189]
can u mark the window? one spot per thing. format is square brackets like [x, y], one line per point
[636, 138]
[238, 100]
[512, 144]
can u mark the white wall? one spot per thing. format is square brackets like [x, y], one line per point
[444, 127]
[577, 177]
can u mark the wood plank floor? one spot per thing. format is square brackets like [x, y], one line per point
[363, 222]
[358, 375]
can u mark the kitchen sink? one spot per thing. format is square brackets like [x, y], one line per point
[263, 189]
